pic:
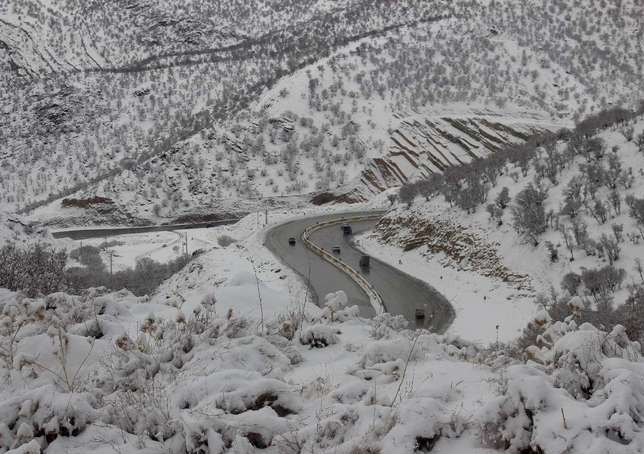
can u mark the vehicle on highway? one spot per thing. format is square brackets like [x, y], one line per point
[335, 249]
[346, 229]
[291, 241]
[364, 261]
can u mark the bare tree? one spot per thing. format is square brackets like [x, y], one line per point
[529, 214]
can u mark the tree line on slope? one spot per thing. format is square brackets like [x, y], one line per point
[596, 191]
[467, 186]
[39, 269]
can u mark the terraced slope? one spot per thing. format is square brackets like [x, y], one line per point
[422, 146]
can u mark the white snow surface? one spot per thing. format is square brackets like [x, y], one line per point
[480, 303]
[200, 366]
[213, 382]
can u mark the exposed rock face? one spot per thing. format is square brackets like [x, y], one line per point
[422, 146]
[464, 249]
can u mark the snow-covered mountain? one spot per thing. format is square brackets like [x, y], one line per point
[503, 140]
[157, 103]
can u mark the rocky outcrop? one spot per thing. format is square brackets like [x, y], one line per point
[421, 146]
[463, 248]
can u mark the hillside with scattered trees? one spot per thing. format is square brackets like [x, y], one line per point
[156, 106]
[473, 174]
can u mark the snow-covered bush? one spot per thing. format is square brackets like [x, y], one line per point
[35, 269]
[385, 351]
[350, 393]
[419, 423]
[143, 411]
[385, 359]
[45, 414]
[383, 325]
[236, 391]
[225, 240]
[350, 429]
[589, 397]
[33, 447]
[335, 308]
[319, 336]
[209, 300]
[577, 357]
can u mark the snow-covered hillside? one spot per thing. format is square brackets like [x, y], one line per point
[503, 138]
[112, 372]
[193, 105]
[591, 221]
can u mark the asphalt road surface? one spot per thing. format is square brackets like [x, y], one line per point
[401, 293]
[83, 234]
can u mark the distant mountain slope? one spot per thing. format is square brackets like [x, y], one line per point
[101, 91]
[288, 155]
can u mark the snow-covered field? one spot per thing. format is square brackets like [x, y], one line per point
[116, 373]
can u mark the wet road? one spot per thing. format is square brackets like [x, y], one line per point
[83, 234]
[401, 293]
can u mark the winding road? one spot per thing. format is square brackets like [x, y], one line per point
[401, 294]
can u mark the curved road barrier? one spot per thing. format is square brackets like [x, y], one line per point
[381, 287]
[374, 296]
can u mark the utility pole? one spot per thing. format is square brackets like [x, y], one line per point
[110, 253]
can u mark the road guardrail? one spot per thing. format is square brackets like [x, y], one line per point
[365, 285]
